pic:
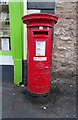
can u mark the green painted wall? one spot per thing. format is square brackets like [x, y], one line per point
[16, 28]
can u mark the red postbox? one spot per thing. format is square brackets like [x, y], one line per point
[39, 27]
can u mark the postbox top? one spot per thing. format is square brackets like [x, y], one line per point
[39, 16]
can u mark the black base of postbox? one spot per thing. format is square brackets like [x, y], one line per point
[38, 94]
[39, 98]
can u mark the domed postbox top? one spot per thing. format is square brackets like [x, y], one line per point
[39, 17]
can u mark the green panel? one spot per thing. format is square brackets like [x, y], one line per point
[22, 28]
[16, 27]
[5, 53]
[17, 71]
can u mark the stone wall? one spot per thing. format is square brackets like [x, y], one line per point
[64, 51]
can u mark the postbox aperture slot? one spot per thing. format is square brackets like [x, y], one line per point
[40, 32]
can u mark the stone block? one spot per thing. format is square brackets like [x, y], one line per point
[65, 38]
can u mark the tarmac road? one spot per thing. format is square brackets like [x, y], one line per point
[61, 103]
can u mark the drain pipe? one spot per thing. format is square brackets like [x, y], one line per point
[24, 69]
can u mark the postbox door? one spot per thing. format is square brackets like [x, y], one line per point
[39, 60]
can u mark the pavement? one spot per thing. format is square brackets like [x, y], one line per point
[61, 102]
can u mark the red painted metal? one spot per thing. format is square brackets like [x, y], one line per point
[39, 70]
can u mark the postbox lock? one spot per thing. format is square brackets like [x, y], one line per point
[41, 27]
[46, 67]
